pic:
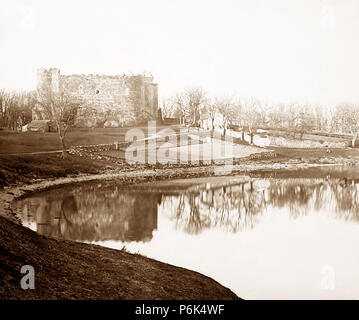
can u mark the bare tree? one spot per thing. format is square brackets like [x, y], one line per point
[16, 108]
[5, 107]
[347, 118]
[10, 109]
[251, 115]
[212, 111]
[168, 107]
[25, 103]
[321, 121]
[195, 98]
[180, 106]
[226, 107]
[60, 107]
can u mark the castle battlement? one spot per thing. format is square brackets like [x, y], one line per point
[128, 96]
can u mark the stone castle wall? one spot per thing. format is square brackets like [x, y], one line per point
[106, 100]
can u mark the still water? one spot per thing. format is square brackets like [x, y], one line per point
[267, 238]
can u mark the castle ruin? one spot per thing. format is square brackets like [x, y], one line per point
[116, 100]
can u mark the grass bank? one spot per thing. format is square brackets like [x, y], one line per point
[26, 142]
[29, 168]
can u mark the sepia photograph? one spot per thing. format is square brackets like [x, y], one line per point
[174, 155]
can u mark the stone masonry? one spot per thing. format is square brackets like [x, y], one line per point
[106, 100]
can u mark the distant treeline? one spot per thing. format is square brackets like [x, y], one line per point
[193, 105]
[16, 108]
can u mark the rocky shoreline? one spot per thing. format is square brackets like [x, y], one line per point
[11, 193]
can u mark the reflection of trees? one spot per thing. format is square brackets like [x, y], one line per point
[295, 195]
[239, 207]
[188, 215]
[90, 214]
[346, 193]
[233, 208]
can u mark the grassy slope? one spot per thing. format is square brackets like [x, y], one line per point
[72, 270]
[25, 168]
[12, 142]
[19, 142]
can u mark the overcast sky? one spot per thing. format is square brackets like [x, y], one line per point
[305, 50]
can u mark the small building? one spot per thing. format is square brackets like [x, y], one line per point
[40, 126]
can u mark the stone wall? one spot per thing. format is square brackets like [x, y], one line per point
[281, 141]
[294, 143]
[116, 100]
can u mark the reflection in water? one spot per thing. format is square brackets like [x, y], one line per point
[89, 213]
[263, 238]
[239, 207]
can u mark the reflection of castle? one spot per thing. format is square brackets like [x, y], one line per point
[89, 216]
[144, 219]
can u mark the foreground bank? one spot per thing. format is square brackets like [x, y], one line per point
[71, 270]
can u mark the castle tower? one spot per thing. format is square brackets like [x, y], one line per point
[55, 79]
[48, 78]
[42, 77]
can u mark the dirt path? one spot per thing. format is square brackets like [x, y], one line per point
[31, 153]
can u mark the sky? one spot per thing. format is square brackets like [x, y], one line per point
[274, 50]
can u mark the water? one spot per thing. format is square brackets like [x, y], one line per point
[267, 238]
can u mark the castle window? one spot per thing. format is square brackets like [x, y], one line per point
[97, 91]
[81, 89]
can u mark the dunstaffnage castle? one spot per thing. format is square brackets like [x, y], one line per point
[106, 100]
